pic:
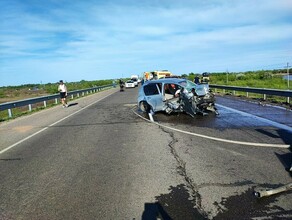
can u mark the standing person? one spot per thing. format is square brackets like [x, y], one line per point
[197, 80]
[63, 93]
[122, 84]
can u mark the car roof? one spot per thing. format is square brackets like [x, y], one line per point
[165, 80]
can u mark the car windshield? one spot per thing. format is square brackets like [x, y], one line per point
[130, 81]
[188, 85]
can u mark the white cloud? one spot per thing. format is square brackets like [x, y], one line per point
[115, 35]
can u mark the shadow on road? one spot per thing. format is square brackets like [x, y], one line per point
[72, 104]
[286, 160]
[153, 211]
[177, 204]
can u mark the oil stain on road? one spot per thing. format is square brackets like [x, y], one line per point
[177, 204]
[247, 206]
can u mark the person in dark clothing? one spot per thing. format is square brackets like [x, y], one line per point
[197, 80]
[122, 84]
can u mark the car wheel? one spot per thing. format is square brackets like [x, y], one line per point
[144, 107]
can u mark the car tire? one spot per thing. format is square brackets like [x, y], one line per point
[144, 107]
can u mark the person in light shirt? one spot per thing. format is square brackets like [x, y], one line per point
[63, 93]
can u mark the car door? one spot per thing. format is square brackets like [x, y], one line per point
[153, 96]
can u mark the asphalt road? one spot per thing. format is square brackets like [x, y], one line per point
[98, 159]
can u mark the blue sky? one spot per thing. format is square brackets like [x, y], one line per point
[43, 41]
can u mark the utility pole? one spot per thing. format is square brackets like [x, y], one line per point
[288, 77]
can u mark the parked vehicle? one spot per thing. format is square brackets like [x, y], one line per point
[176, 95]
[135, 78]
[130, 84]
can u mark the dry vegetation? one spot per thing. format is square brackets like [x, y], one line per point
[9, 95]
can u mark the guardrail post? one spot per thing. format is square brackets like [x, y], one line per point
[29, 107]
[10, 113]
[234, 92]
[72, 96]
[45, 104]
[78, 95]
[265, 96]
[247, 94]
[56, 101]
[288, 100]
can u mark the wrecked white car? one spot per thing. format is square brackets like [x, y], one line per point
[176, 95]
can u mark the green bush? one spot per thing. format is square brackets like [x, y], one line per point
[257, 79]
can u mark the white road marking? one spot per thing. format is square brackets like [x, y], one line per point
[34, 134]
[217, 139]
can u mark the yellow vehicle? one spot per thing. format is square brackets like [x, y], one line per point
[162, 74]
[157, 74]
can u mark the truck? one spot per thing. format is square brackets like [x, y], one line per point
[157, 74]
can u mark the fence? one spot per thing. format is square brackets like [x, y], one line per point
[44, 99]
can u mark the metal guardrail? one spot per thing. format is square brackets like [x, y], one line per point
[29, 102]
[265, 92]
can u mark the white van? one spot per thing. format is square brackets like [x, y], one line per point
[135, 79]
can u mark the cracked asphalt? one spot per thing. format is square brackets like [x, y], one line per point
[104, 162]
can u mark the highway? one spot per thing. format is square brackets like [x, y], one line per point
[100, 159]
